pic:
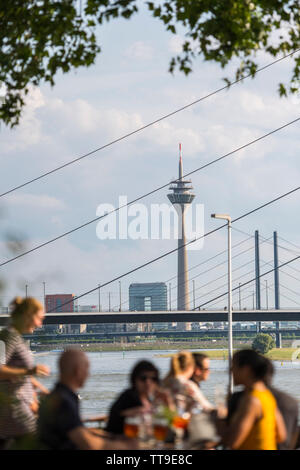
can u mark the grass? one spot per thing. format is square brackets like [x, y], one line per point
[283, 354]
[276, 354]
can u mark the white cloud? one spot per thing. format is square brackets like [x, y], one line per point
[175, 44]
[139, 50]
[36, 201]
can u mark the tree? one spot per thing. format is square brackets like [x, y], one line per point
[263, 343]
[39, 38]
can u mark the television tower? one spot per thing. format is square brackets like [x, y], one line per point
[181, 197]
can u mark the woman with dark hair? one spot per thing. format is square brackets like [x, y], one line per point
[257, 423]
[136, 400]
[18, 399]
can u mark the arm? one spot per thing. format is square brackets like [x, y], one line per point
[11, 373]
[281, 434]
[242, 422]
[38, 386]
[195, 392]
[86, 440]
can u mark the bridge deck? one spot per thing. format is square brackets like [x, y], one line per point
[66, 318]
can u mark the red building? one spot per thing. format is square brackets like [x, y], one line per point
[55, 303]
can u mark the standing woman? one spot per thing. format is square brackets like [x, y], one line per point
[18, 398]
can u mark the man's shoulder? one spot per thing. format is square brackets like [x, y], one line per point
[284, 399]
[58, 398]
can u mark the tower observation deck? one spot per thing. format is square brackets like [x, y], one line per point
[181, 196]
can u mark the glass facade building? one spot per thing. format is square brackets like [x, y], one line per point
[147, 297]
[150, 296]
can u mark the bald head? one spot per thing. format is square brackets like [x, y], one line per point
[73, 367]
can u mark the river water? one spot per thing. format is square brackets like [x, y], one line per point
[109, 372]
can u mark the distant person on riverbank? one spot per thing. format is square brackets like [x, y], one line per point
[179, 381]
[59, 425]
[256, 424]
[287, 406]
[138, 400]
[18, 387]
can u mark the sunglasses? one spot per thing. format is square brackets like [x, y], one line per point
[143, 378]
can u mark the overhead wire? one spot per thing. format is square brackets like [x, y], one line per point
[151, 123]
[151, 192]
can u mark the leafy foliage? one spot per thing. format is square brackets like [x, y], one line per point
[263, 343]
[40, 38]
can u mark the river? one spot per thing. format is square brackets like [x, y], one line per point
[109, 372]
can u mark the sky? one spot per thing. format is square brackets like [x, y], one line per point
[128, 87]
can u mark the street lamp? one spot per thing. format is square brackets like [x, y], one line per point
[120, 295]
[44, 285]
[229, 309]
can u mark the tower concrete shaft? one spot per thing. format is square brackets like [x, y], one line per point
[181, 197]
[183, 300]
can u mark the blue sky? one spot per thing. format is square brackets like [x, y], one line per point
[127, 87]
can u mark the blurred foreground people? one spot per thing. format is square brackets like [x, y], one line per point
[138, 400]
[286, 404]
[256, 424]
[18, 387]
[59, 425]
[179, 381]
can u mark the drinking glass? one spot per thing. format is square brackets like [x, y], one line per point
[131, 427]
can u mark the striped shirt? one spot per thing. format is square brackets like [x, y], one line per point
[16, 396]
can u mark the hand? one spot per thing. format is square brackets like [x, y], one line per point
[41, 370]
[222, 412]
[34, 406]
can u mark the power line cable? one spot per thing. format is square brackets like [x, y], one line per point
[193, 267]
[220, 277]
[223, 285]
[188, 243]
[148, 194]
[136, 131]
[290, 243]
[248, 282]
[270, 243]
[203, 272]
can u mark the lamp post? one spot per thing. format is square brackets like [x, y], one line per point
[194, 302]
[44, 285]
[26, 291]
[99, 304]
[120, 295]
[229, 308]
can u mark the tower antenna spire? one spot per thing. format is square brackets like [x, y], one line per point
[180, 162]
[181, 197]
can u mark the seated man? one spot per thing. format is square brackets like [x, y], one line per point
[59, 424]
[201, 374]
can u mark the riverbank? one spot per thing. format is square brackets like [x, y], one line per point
[283, 354]
[216, 349]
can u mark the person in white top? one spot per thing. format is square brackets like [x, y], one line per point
[180, 384]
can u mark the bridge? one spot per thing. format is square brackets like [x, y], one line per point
[203, 316]
[158, 334]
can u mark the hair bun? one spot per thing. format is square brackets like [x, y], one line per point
[17, 301]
